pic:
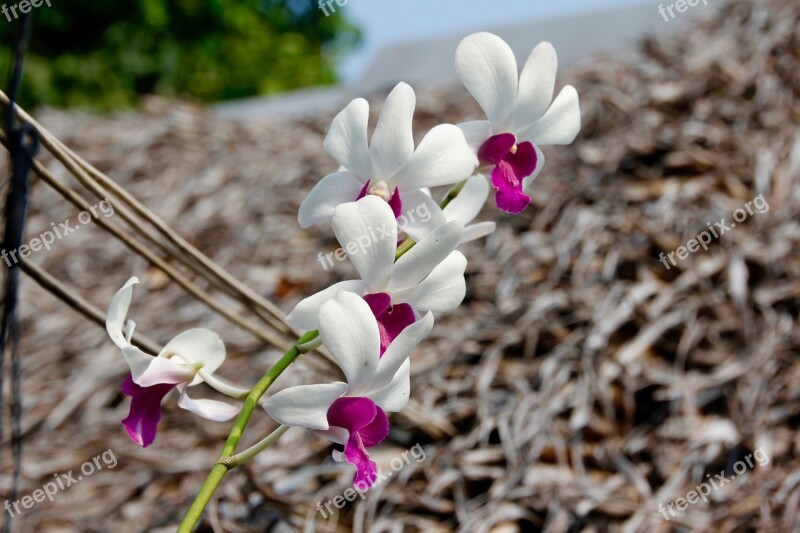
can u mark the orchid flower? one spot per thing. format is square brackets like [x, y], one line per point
[521, 117]
[463, 208]
[180, 364]
[430, 277]
[388, 166]
[354, 413]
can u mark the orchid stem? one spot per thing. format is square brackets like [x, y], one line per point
[408, 244]
[255, 449]
[251, 401]
[221, 386]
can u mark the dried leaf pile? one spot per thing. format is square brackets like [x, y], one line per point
[582, 383]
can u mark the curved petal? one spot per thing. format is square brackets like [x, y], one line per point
[367, 230]
[536, 84]
[305, 314]
[347, 139]
[560, 125]
[145, 411]
[148, 371]
[392, 142]
[355, 453]
[197, 345]
[349, 330]
[351, 413]
[469, 202]
[118, 311]
[476, 133]
[393, 398]
[443, 157]
[442, 291]
[421, 216]
[331, 191]
[208, 409]
[476, 231]
[334, 434]
[419, 261]
[304, 406]
[399, 350]
[528, 181]
[486, 66]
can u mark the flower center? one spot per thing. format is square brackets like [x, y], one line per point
[381, 190]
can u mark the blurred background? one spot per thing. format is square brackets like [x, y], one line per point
[582, 386]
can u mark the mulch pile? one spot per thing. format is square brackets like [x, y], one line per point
[582, 383]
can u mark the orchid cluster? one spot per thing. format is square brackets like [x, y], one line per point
[409, 275]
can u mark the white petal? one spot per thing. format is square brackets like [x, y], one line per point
[334, 434]
[367, 230]
[487, 68]
[209, 409]
[442, 291]
[560, 125]
[536, 85]
[118, 310]
[469, 202]
[349, 330]
[399, 350]
[304, 406]
[476, 231]
[421, 215]
[393, 397]
[197, 345]
[417, 263]
[527, 182]
[147, 370]
[331, 191]
[442, 157]
[393, 141]
[476, 133]
[305, 314]
[347, 139]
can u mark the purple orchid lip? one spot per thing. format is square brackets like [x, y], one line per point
[512, 164]
[395, 202]
[392, 319]
[368, 426]
[145, 412]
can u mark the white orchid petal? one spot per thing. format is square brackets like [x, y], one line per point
[208, 409]
[197, 345]
[469, 202]
[347, 139]
[392, 142]
[331, 191]
[334, 434]
[367, 230]
[476, 133]
[527, 182]
[393, 398]
[350, 332]
[399, 351]
[419, 261]
[560, 124]
[304, 406]
[476, 231]
[147, 370]
[421, 215]
[118, 311]
[442, 291]
[487, 68]
[536, 85]
[305, 315]
[443, 157]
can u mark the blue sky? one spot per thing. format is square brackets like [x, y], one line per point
[389, 21]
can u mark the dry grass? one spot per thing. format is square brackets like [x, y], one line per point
[581, 383]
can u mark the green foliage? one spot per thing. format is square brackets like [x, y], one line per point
[103, 53]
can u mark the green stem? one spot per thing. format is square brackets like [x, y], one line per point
[225, 461]
[255, 449]
[408, 244]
